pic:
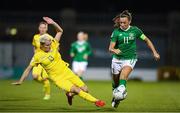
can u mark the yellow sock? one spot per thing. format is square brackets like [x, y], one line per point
[47, 88]
[87, 96]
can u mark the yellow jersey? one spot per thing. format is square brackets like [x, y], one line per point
[36, 42]
[51, 61]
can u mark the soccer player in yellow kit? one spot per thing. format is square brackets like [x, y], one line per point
[38, 70]
[57, 70]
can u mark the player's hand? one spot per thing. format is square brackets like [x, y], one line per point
[72, 55]
[85, 56]
[117, 51]
[156, 56]
[49, 20]
[16, 83]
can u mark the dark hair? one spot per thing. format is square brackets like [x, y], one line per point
[116, 23]
[127, 14]
[42, 22]
[116, 17]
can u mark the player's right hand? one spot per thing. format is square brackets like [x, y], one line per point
[156, 56]
[117, 51]
[48, 20]
[16, 83]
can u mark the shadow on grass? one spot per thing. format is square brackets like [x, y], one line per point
[18, 99]
[59, 109]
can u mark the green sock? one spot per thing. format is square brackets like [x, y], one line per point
[81, 77]
[113, 85]
[122, 82]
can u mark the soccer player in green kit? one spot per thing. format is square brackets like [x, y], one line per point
[80, 51]
[123, 47]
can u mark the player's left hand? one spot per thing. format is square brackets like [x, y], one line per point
[85, 56]
[48, 20]
[156, 56]
[16, 83]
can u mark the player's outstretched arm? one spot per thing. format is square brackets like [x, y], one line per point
[23, 76]
[151, 46]
[59, 30]
[112, 49]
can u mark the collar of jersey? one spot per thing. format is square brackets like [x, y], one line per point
[126, 29]
[80, 42]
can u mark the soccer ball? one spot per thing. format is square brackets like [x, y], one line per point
[120, 93]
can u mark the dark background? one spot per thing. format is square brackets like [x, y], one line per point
[159, 20]
[138, 6]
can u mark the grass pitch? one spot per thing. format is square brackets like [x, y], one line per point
[142, 97]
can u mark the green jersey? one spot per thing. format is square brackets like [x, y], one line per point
[80, 49]
[126, 42]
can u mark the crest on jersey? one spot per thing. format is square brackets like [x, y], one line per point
[81, 49]
[131, 36]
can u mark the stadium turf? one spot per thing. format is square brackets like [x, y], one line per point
[142, 97]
